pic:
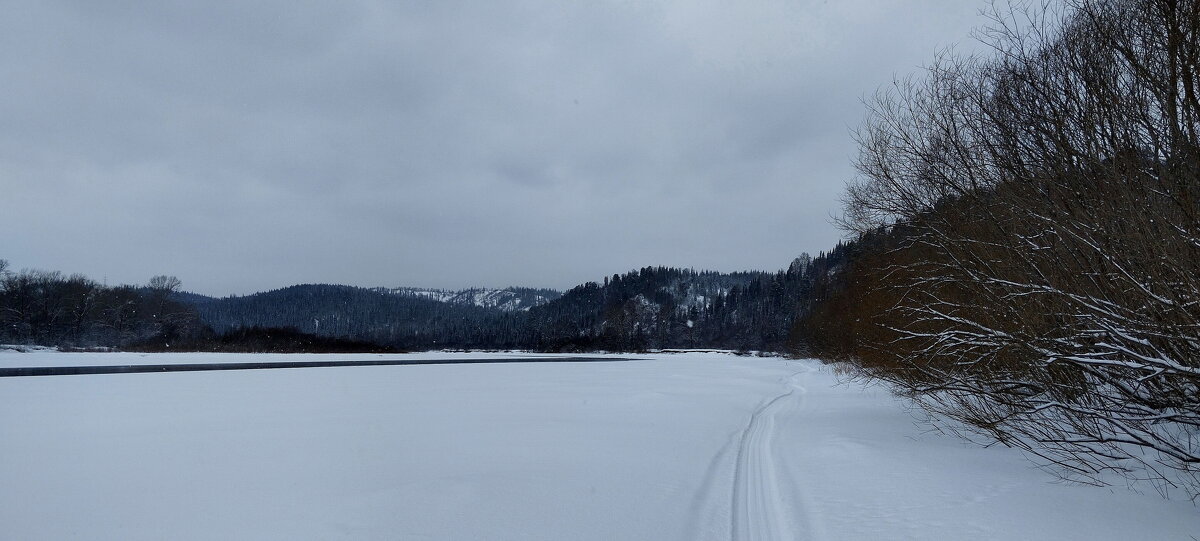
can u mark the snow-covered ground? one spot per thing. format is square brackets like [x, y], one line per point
[678, 447]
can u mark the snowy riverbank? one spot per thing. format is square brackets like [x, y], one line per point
[685, 446]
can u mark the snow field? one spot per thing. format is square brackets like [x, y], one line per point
[690, 447]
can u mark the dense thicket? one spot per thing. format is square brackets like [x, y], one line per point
[1035, 272]
[44, 307]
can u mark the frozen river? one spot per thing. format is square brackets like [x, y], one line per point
[698, 446]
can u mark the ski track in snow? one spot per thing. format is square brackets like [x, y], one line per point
[696, 446]
[710, 508]
[763, 506]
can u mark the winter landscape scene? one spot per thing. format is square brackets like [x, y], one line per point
[662, 270]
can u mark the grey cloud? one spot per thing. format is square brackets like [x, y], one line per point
[244, 146]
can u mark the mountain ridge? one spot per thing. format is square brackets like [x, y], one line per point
[508, 299]
[651, 307]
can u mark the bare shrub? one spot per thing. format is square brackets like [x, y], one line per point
[1044, 287]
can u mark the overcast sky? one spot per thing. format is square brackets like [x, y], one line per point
[244, 146]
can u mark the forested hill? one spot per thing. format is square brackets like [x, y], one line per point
[375, 315]
[509, 299]
[654, 307]
[660, 307]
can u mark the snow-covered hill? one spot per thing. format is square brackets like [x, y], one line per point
[510, 299]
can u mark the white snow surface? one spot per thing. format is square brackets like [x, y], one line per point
[691, 446]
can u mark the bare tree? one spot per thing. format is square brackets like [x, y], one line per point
[165, 285]
[1046, 290]
[161, 287]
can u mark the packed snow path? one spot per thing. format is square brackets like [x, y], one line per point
[676, 447]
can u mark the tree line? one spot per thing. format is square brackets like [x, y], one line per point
[648, 308]
[39, 307]
[1028, 240]
[49, 308]
[372, 315]
[661, 307]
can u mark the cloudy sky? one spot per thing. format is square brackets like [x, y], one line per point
[244, 146]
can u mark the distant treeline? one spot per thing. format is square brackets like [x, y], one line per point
[355, 313]
[47, 308]
[650, 308]
[660, 307]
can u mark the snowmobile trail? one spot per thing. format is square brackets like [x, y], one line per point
[764, 506]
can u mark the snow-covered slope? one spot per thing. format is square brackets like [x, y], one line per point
[688, 447]
[510, 299]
